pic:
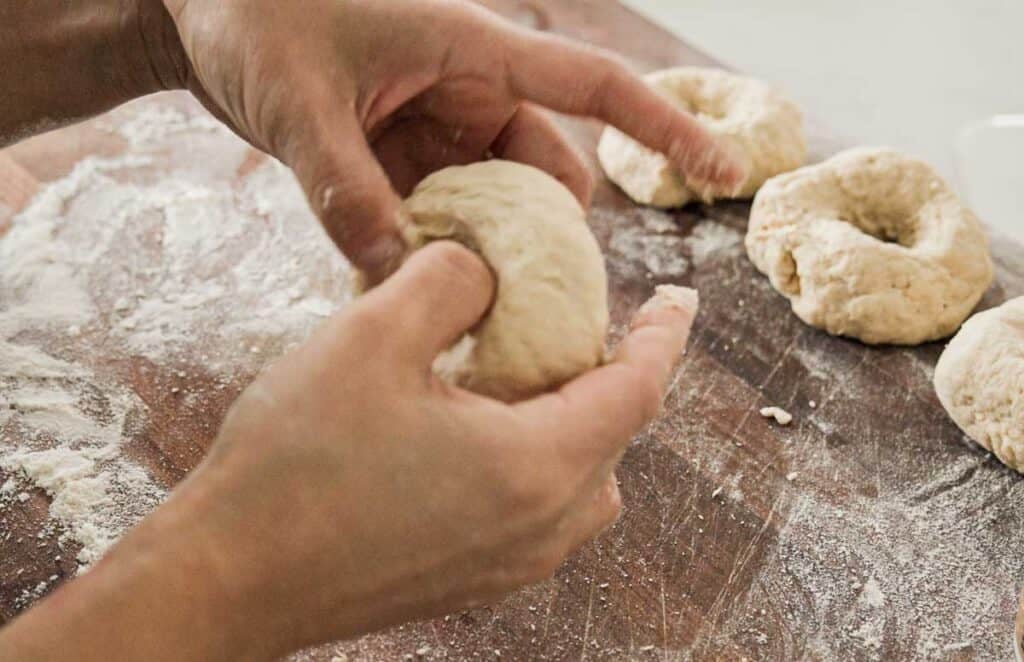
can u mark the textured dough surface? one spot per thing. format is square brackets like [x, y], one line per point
[762, 126]
[873, 245]
[550, 313]
[980, 381]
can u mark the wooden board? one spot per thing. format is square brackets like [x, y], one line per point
[868, 529]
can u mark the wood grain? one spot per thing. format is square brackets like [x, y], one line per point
[1018, 638]
[868, 529]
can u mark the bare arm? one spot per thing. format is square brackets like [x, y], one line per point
[349, 490]
[65, 60]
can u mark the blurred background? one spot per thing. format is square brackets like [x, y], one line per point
[924, 76]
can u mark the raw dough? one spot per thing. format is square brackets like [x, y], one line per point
[980, 381]
[550, 313]
[871, 244]
[781, 416]
[762, 125]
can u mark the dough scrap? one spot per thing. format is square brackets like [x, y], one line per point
[873, 245]
[760, 124]
[980, 381]
[781, 416]
[550, 314]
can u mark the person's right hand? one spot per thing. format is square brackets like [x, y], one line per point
[363, 99]
[350, 489]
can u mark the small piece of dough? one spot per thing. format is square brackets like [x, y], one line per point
[761, 125]
[871, 244]
[980, 381]
[550, 312]
[781, 416]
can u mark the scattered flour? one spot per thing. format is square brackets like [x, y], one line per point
[711, 239]
[122, 261]
[55, 437]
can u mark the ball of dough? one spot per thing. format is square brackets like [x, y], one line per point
[980, 381]
[762, 126]
[550, 313]
[871, 244]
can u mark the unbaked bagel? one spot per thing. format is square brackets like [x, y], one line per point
[550, 313]
[871, 244]
[763, 127]
[980, 381]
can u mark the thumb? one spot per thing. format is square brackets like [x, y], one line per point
[439, 293]
[351, 194]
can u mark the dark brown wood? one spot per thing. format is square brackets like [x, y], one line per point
[1018, 637]
[868, 529]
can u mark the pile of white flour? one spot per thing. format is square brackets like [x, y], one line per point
[123, 263]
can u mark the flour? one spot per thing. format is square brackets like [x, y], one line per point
[710, 240]
[857, 573]
[126, 262]
[152, 123]
[55, 437]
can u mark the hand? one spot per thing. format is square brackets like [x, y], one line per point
[364, 98]
[350, 489]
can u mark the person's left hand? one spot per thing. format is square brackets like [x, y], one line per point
[363, 99]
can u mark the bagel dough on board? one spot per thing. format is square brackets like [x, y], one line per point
[761, 125]
[873, 245]
[980, 381]
[550, 313]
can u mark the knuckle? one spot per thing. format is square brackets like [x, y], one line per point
[370, 322]
[612, 511]
[648, 391]
[532, 494]
[543, 564]
[524, 493]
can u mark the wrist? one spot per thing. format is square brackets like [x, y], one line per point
[155, 596]
[150, 55]
[72, 59]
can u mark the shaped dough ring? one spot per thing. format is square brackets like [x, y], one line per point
[871, 244]
[760, 125]
[550, 313]
[980, 381]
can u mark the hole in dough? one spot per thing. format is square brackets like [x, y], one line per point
[792, 284]
[889, 228]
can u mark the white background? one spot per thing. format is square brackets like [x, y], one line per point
[906, 73]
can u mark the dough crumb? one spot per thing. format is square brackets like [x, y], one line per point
[791, 476]
[781, 416]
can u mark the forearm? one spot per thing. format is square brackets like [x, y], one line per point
[65, 60]
[156, 596]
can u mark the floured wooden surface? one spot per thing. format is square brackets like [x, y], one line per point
[149, 282]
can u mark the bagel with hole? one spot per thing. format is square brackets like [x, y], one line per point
[760, 125]
[871, 244]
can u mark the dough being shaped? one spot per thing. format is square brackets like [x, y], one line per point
[871, 244]
[550, 313]
[761, 125]
[980, 381]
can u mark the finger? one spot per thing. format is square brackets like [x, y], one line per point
[593, 515]
[592, 418]
[441, 291]
[580, 80]
[350, 193]
[532, 138]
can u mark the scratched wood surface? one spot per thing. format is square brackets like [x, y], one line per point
[867, 529]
